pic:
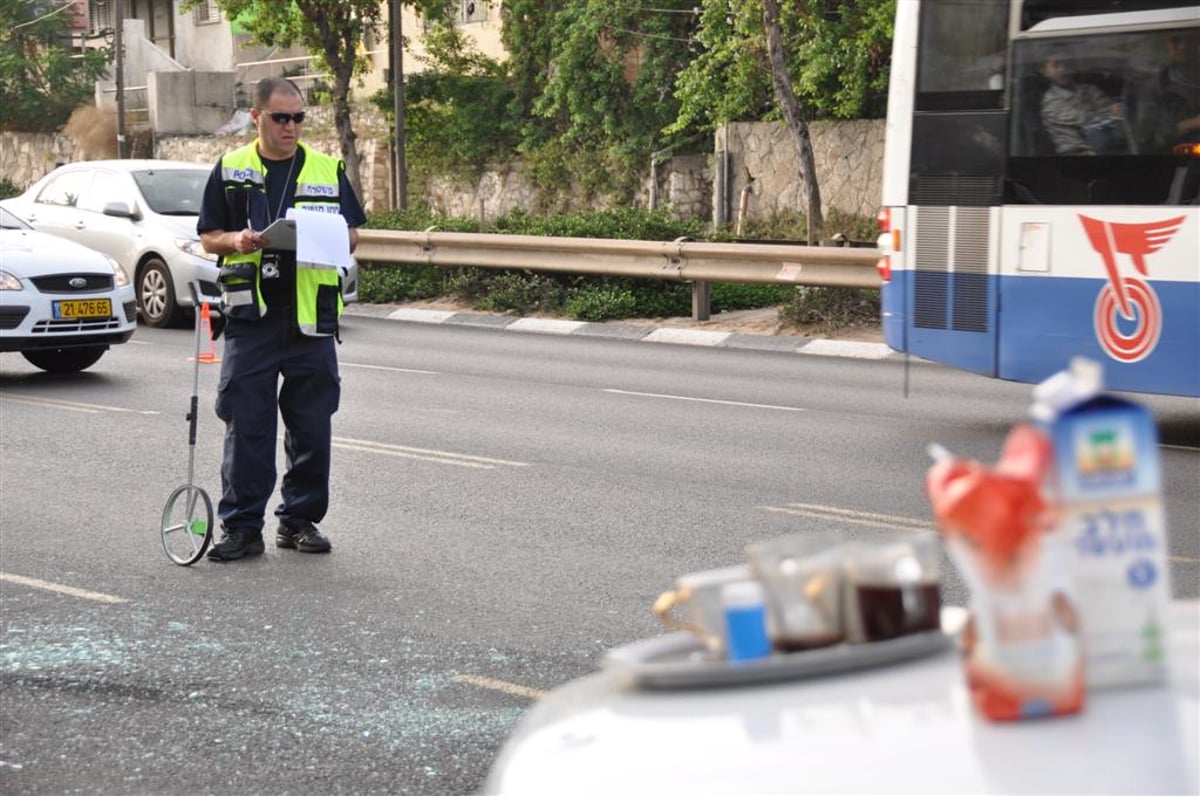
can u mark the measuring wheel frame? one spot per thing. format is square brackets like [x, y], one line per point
[187, 518]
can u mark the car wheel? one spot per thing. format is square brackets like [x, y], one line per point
[65, 360]
[156, 295]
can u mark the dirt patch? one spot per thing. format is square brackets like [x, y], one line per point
[764, 321]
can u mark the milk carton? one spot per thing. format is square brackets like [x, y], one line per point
[1106, 482]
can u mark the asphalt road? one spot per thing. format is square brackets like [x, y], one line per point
[506, 507]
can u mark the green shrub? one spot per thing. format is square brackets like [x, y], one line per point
[384, 283]
[522, 293]
[7, 189]
[601, 303]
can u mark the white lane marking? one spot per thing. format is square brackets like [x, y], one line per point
[393, 370]
[852, 517]
[71, 406]
[706, 400]
[1187, 448]
[891, 518]
[61, 589]
[501, 685]
[425, 454]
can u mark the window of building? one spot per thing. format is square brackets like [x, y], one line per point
[102, 15]
[206, 13]
[473, 11]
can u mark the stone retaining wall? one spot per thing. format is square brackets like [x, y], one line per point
[762, 157]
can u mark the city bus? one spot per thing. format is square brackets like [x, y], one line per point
[1041, 189]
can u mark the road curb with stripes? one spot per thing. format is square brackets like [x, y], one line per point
[648, 334]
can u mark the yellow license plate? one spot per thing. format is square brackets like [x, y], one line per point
[83, 308]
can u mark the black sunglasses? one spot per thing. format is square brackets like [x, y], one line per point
[284, 118]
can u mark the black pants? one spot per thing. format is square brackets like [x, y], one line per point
[250, 401]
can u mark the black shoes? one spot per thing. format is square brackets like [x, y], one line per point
[302, 536]
[237, 543]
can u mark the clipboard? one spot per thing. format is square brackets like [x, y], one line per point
[281, 235]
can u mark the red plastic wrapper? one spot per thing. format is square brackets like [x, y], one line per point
[1021, 648]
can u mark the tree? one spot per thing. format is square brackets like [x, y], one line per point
[41, 79]
[841, 56]
[333, 31]
[791, 111]
[748, 69]
[595, 79]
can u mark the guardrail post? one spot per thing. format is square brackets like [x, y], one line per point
[701, 300]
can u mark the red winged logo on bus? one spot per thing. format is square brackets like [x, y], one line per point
[1127, 316]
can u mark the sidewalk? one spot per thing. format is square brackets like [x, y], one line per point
[745, 329]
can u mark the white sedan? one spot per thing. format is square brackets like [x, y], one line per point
[61, 304]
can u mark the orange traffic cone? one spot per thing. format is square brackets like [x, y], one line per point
[209, 356]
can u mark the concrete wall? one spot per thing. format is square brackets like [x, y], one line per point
[209, 46]
[187, 103]
[761, 155]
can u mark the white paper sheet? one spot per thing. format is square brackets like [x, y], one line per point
[321, 238]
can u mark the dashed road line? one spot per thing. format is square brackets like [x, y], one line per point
[501, 685]
[821, 512]
[391, 370]
[72, 406]
[425, 454]
[706, 400]
[59, 588]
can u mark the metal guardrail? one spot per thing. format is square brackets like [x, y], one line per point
[681, 260]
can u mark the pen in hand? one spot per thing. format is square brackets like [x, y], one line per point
[247, 241]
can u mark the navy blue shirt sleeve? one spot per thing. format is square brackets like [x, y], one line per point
[213, 213]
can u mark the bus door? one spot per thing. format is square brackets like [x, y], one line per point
[951, 297]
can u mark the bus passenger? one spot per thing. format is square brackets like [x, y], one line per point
[1079, 118]
[1171, 113]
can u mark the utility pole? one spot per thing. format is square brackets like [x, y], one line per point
[119, 41]
[397, 75]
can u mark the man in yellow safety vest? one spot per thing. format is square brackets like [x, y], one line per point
[280, 321]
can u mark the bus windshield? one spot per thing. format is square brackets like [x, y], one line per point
[1106, 119]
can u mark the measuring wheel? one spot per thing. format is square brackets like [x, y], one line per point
[187, 524]
[187, 519]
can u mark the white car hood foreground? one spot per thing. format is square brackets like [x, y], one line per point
[30, 253]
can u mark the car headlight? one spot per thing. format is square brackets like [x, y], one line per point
[9, 282]
[120, 277]
[193, 247]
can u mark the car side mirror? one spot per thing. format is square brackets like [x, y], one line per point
[121, 210]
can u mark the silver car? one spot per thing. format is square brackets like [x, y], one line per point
[143, 214]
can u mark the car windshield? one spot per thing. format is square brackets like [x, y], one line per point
[9, 221]
[172, 192]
